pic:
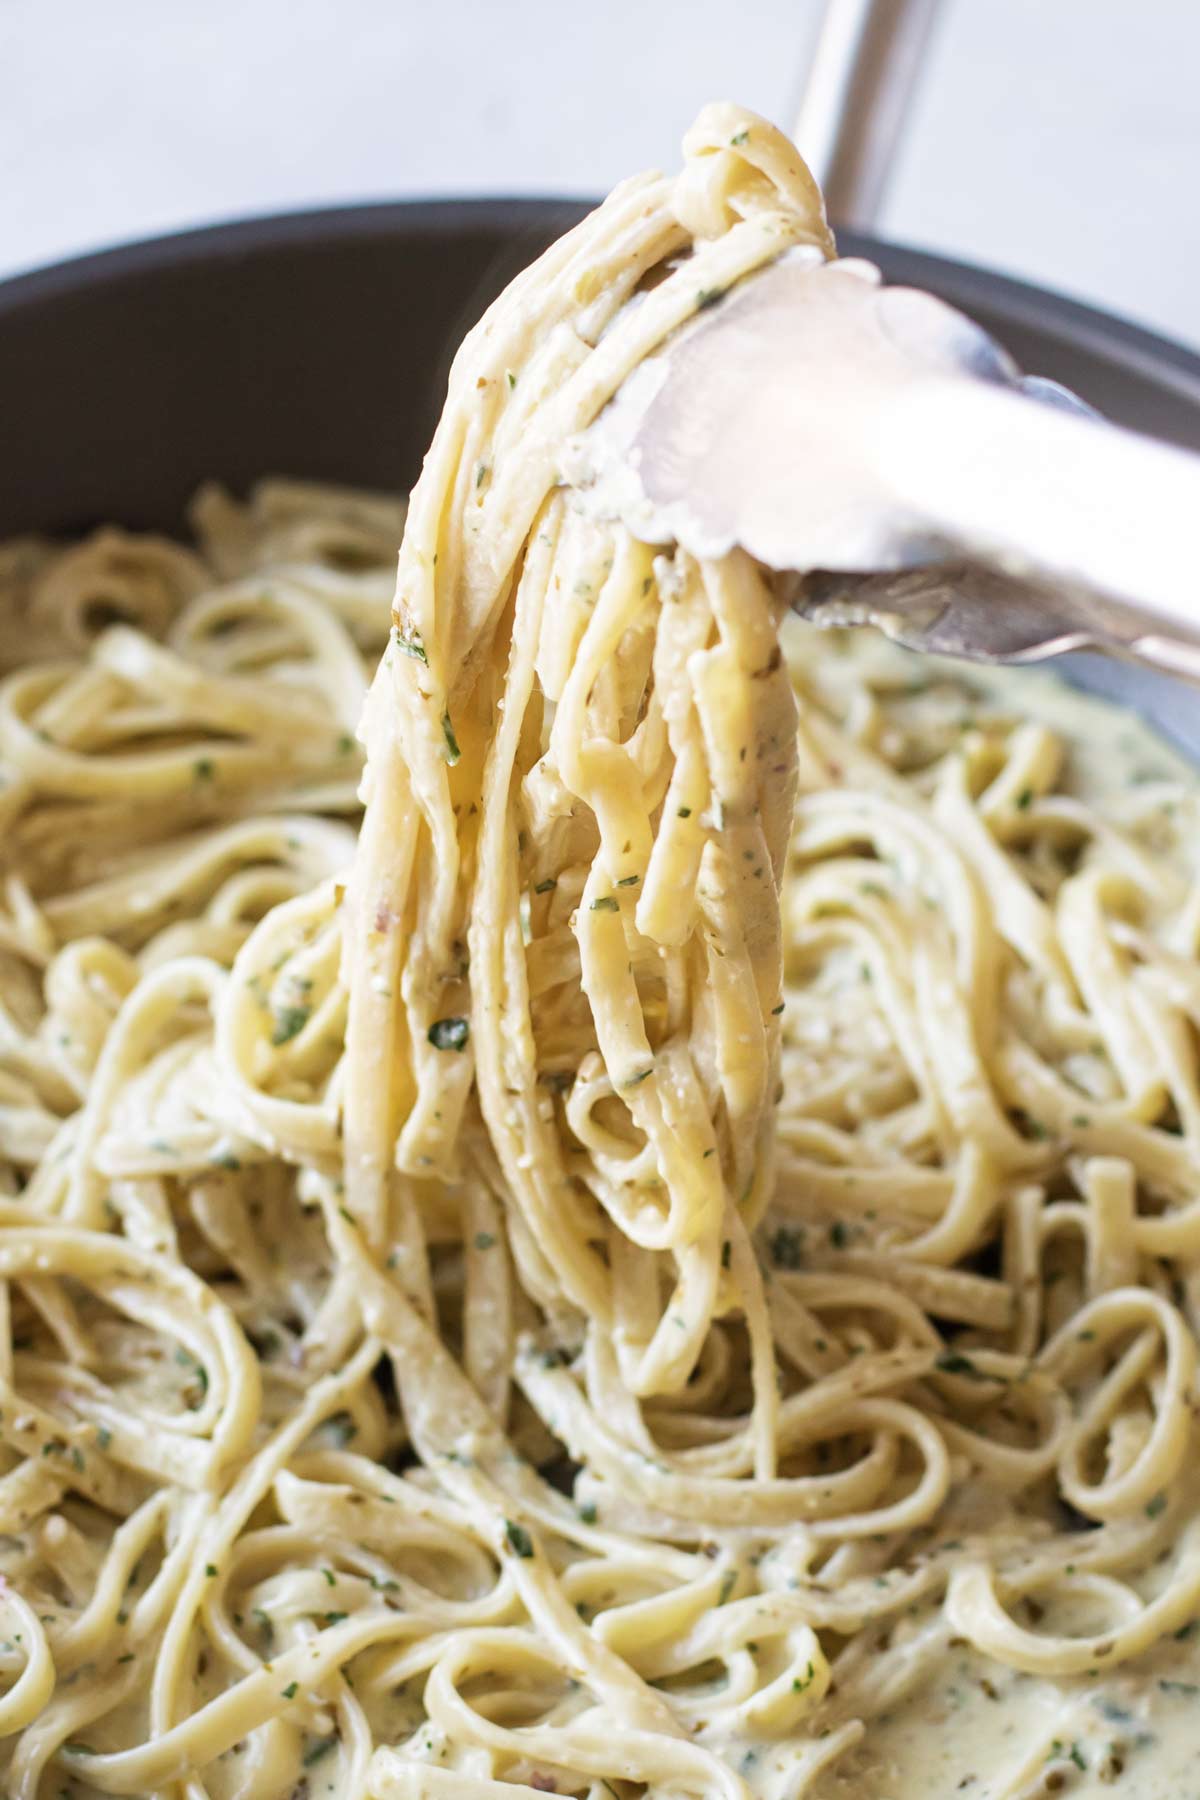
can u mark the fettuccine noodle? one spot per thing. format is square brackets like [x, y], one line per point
[659, 1261]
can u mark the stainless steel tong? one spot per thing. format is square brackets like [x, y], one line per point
[881, 443]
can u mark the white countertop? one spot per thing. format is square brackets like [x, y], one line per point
[1057, 139]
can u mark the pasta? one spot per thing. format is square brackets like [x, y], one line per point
[660, 1259]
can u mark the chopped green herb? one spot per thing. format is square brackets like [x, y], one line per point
[519, 1539]
[203, 768]
[1024, 799]
[291, 1690]
[410, 646]
[776, 1010]
[587, 1512]
[685, 812]
[512, 380]
[800, 1683]
[210, 1570]
[728, 1583]
[707, 297]
[1156, 1506]
[544, 887]
[449, 1034]
[452, 750]
[839, 1235]
[637, 1080]
[953, 1362]
[726, 1253]
[787, 1247]
[484, 1240]
[103, 1437]
[289, 1023]
[739, 138]
[345, 744]
[606, 903]
[320, 1748]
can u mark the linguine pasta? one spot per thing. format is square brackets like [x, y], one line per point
[661, 1262]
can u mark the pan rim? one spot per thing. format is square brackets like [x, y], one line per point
[1137, 348]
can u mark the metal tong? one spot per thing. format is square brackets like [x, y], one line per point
[885, 447]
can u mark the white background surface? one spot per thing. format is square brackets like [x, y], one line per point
[1059, 139]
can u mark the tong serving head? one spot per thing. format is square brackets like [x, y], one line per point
[883, 446]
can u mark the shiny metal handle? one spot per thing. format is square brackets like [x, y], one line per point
[856, 97]
[1108, 517]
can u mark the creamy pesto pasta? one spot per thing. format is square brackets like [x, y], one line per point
[660, 1258]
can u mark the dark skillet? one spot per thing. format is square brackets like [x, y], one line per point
[316, 345]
